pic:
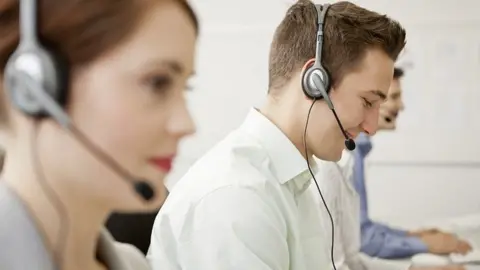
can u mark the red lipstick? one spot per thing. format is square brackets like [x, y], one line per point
[162, 163]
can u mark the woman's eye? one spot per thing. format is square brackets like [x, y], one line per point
[159, 83]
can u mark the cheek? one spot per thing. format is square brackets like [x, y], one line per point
[351, 113]
[119, 125]
[347, 106]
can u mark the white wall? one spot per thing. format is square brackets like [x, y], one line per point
[430, 167]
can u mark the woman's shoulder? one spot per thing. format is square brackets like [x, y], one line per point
[24, 245]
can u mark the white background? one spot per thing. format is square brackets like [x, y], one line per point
[430, 167]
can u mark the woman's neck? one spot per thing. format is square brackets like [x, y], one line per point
[70, 224]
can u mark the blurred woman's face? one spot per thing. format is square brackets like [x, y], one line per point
[131, 104]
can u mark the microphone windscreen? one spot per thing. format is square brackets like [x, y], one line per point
[350, 144]
[144, 189]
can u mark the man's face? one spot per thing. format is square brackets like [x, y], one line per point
[357, 100]
[389, 110]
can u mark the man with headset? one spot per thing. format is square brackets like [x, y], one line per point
[377, 239]
[244, 204]
[345, 204]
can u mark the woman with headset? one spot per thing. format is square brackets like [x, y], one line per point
[92, 109]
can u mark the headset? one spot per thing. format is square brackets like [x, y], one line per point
[36, 79]
[316, 80]
[316, 84]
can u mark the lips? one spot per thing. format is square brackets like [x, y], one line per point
[163, 163]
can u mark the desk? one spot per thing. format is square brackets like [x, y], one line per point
[405, 263]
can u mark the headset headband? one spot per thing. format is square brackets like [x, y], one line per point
[321, 16]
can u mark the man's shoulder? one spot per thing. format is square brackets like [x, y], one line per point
[237, 160]
[231, 173]
[191, 205]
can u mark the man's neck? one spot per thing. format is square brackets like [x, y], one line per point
[69, 224]
[286, 116]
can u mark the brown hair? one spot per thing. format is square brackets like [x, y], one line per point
[349, 31]
[81, 31]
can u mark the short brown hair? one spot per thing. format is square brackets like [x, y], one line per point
[81, 31]
[349, 31]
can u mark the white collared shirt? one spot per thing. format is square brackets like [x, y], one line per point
[242, 206]
[336, 183]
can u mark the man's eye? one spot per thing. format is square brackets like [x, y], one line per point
[367, 103]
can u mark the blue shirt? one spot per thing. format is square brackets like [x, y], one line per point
[379, 240]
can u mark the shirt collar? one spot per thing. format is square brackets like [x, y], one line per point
[346, 164]
[287, 162]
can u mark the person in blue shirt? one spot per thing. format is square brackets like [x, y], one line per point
[379, 240]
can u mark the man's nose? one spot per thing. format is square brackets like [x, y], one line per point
[370, 124]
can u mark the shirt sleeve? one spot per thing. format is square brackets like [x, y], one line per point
[232, 228]
[387, 229]
[382, 243]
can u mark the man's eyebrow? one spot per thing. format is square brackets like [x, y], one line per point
[378, 93]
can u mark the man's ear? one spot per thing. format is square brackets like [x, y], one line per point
[308, 64]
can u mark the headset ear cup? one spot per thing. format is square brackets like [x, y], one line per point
[306, 71]
[62, 76]
[36, 64]
[308, 89]
[303, 79]
[326, 79]
[54, 78]
[62, 73]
